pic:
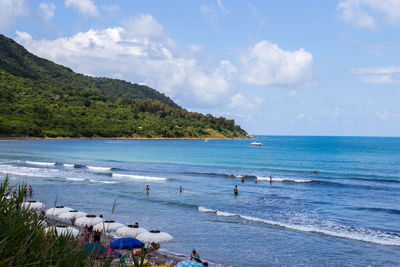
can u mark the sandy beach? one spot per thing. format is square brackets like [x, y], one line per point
[155, 257]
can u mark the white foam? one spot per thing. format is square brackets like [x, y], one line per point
[202, 209]
[103, 182]
[355, 233]
[138, 177]
[99, 169]
[21, 174]
[225, 214]
[284, 179]
[41, 163]
[76, 179]
[69, 165]
[27, 171]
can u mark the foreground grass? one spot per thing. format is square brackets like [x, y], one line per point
[23, 241]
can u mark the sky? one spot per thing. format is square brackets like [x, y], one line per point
[283, 67]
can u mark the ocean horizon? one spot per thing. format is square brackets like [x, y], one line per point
[333, 200]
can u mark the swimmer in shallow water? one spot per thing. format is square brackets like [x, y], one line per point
[235, 190]
[147, 189]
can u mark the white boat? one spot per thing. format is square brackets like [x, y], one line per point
[255, 144]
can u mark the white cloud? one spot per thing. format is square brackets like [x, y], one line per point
[139, 52]
[47, 10]
[143, 26]
[383, 114]
[10, 10]
[364, 13]
[267, 64]
[379, 75]
[86, 7]
[300, 116]
[211, 13]
[195, 47]
[254, 12]
[238, 101]
[222, 7]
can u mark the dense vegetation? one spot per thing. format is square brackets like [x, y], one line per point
[23, 241]
[42, 99]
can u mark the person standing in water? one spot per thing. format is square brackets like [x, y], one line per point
[30, 190]
[255, 180]
[235, 190]
[270, 179]
[147, 189]
[242, 179]
[180, 189]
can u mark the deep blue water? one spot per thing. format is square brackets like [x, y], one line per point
[345, 214]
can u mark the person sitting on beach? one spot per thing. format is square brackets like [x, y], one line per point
[235, 190]
[97, 237]
[86, 233]
[195, 256]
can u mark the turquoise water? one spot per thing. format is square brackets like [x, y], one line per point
[333, 201]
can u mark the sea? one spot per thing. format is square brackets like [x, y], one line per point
[333, 201]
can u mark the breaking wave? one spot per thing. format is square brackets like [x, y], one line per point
[41, 163]
[99, 169]
[342, 231]
[138, 177]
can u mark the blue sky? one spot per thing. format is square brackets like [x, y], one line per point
[277, 67]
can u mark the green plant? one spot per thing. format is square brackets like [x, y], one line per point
[143, 254]
[23, 241]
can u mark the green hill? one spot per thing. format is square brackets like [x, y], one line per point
[42, 99]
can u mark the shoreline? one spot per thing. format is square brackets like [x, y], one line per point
[125, 138]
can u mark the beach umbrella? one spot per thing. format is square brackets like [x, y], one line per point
[54, 212]
[155, 236]
[63, 230]
[107, 226]
[126, 243]
[94, 249]
[88, 220]
[189, 264]
[72, 214]
[130, 231]
[33, 204]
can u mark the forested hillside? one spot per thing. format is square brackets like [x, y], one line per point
[42, 99]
